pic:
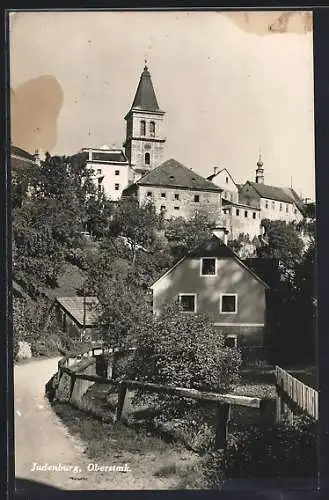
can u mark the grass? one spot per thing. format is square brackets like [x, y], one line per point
[157, 460]
[153, 461]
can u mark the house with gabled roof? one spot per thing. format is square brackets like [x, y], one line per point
[223, 179]
[212, 279]
[275, 203]
[176, 191]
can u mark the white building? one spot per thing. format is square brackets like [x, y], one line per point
[111, 170]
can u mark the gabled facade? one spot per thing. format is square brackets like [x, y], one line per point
[110, 170]
[212, 279]
[223, 179]
[176, 191]
[145, 141]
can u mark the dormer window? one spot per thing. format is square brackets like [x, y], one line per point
[152, 129]
[208, 266]
[143, 127]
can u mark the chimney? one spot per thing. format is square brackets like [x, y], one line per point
[215, 170]
[221, 233]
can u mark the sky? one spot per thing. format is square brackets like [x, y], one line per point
[228, 92]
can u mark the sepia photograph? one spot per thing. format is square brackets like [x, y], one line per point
[164, 298]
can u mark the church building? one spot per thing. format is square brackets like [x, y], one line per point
[144, 142]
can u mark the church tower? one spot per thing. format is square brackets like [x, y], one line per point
[260, 171]
[144, 138]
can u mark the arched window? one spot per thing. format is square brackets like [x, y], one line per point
[143, 127]
[147, 158]
[152, 129]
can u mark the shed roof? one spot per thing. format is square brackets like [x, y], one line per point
[74, 306]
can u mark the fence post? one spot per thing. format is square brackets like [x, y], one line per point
[278, 406]
[121, 399]
[222, 422]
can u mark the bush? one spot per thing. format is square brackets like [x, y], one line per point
[182, 350]
[277, 451]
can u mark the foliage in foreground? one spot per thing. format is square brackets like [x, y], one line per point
[275, 451]
[183, 350]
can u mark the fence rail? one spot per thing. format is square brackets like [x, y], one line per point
[79, 383]
[303, 396]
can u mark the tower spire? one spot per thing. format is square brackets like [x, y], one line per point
[260, 170]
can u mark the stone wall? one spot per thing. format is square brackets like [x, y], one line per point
[175, 202]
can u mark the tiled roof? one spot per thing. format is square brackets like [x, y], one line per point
[236, 204]
[106, 156]
[14, 150]
[273, 192]
[211, 177]
[214, 247]
[115, 156]
[75, 308]
[172, 173]
[145, 98]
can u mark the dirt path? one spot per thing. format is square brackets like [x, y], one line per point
[41, 438]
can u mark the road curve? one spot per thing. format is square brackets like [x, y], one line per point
[40, 436]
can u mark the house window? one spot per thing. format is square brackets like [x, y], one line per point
[295, 211]
[147, 158]
[163, 208]
[246, 213]
[163, 195]
[99, 171]
[208, 266]
[231, 196]
[228, 303]
[254, 215]
[266, 204]
[117, 187]
[188, 302]
[273, 205]
[149, 194]
[280, 207]
[231, 341]
[287, 208]
[197, 198]
[143, 127]
[226, 180]
[237, 212]
[176, 208]
[117, 172]
[152, 129]
[176, 196]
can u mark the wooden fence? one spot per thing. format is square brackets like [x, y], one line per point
[293, 396]
[223, 402]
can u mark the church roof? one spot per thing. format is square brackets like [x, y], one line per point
[145, 98]
[172, 173]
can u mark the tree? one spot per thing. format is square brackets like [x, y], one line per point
[184, 350]
[281, 241]
[183, 235]
[137, 224]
